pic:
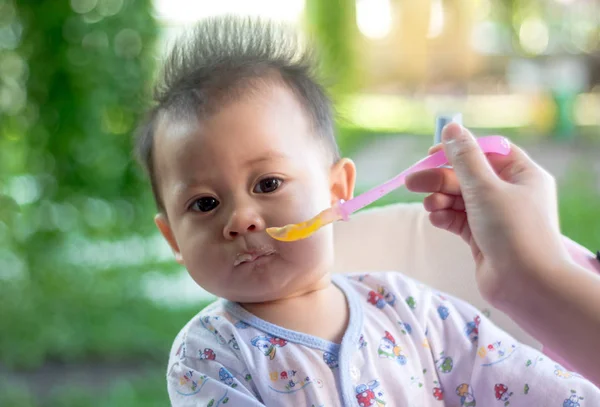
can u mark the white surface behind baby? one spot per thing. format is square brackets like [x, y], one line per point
[399, 237]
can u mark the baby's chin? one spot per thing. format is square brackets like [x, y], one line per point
[264, 286]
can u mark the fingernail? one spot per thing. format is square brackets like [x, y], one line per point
[449, 141]
[450, 135]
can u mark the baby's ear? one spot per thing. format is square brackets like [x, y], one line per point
[342, 178]
[165, 229]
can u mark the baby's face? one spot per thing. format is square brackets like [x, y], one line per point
[254, 164]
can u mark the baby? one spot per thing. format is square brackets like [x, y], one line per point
[242, 138]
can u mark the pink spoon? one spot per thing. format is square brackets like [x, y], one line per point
[343, 209]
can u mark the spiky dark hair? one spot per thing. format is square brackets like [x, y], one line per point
[219, 60]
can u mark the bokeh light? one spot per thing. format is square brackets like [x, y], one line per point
[534, 35]
[374, 18]
[436, 20]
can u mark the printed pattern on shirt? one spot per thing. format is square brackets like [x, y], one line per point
[414, 347]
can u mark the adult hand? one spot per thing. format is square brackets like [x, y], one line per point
[504, 207]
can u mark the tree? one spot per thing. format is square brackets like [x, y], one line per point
[75, 75]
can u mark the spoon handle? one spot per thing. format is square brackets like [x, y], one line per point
[489, 144]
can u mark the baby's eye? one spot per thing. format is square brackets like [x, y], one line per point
[267, 185]
[204, 204]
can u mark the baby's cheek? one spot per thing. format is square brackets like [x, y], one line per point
[304, 204]
[209, 270]
[310, 252]
[201, 256]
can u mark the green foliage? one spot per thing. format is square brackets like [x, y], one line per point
[146, 390]
[101, 319]
[579, 203]
[16, 395]
[76, 75]
[332, 24]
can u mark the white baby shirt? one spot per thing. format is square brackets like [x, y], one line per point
[405, 345]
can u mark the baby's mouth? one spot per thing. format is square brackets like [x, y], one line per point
[250, 256]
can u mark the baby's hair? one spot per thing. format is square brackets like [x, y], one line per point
[226, 58]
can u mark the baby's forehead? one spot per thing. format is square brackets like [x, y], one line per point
[170, 131]
[172, 125]
[269, 95]
[263, 126]
[169, 142]
[248, 113]
[180, 143]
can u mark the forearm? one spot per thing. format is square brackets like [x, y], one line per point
[582, 256]
[562, 311]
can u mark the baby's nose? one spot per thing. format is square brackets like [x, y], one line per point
[242, 223]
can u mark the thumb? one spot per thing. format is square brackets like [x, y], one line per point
[466, 157]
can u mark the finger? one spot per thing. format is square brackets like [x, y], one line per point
[498, 161]
[444, 180]
[466, 157]
[435, 148]
[517, 166]
[434, 180]
[438, 201]
[453, 221]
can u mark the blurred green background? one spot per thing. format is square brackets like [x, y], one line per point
[90, 298]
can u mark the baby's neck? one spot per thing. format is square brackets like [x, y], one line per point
[322, 312]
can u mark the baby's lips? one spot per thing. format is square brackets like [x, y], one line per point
[252, 254]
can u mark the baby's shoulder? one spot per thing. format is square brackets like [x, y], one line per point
[397, 294]
[208, 331]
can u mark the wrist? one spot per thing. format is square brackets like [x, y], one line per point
[534, 287]
[534, 267]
